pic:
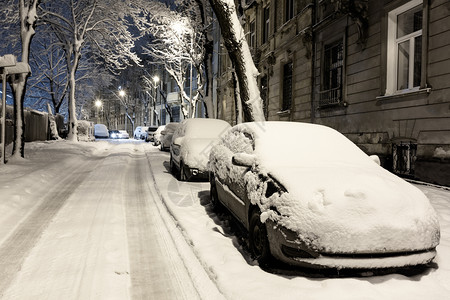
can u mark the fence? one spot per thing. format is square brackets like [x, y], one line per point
[36, 125]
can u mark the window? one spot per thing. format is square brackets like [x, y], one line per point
[404, 157]
[333, 64]
[288, 10]
[252, 40]
[404, 48]
[266, 24]
[287, 86]
[264, 94]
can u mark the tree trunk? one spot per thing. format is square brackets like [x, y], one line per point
[241, 59]
[28, 18]
[18, 85]
[73, 122]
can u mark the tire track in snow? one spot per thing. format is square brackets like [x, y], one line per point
[156, 271]
[16, 247]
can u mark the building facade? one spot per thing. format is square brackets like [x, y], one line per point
[377, 71]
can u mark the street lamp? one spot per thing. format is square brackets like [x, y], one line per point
[123, 94]
[98, 104]
[156, 80]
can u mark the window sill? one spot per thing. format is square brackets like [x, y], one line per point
[284, 113]
[404, 94]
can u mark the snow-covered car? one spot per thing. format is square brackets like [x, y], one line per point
[100, 131]
[114, 134]
[150, 134]
[314, 199]
[190, 146]
[123, 134]
[140, 132]
[157, 135]
[167, 134]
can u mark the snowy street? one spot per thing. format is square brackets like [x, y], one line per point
[107, 220]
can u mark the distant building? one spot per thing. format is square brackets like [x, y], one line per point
[377, 71]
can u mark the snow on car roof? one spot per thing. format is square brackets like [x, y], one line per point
[288, 143]
[205, 128]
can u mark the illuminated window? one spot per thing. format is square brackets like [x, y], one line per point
[404, 48]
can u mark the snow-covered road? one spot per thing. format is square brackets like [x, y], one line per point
[107, 220]
[90, 229]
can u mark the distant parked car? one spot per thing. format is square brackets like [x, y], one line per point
[157, 135]
[123, 134]
[191, 143]
[166, 135]
[140, 132]
[150, 134]
[313, 198]
[114, 134]
[100, 131]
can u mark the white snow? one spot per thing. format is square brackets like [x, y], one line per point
[220, 253]
[338, 199]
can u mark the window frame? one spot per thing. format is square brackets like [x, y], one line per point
[325, 74]
[392, 50]
[286, 103]
[288, 10]
[265, 23]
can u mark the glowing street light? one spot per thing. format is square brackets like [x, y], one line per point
[121, 93]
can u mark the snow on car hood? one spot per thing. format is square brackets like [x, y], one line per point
[195, 152]
[352, 209]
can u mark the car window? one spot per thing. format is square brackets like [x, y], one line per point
[239, 142]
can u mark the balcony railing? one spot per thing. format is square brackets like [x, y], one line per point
[330, 97]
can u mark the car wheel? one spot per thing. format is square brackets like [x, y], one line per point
[258, 240]
[182, 176]
[214, 198]
[172, 166]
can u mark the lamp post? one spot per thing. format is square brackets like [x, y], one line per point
[98, 104]
[156, 80]
[123, 94]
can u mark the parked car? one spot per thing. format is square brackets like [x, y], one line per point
[140, 132]
[114, 134]
[310, 197]
[190, 146]
[123, 134]
[157, 135]
[100, 131]
[150, 134]
[166, 135]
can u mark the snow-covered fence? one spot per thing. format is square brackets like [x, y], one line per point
[36, 125]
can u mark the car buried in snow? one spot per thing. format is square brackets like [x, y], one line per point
[166, 135]
[190, 146]
[314, 199]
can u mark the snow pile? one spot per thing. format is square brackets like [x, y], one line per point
[441, 153]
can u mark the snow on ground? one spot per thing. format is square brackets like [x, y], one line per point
[221, 252]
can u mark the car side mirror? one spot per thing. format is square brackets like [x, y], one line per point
[375, 159]
[243, 160]
[177, 141]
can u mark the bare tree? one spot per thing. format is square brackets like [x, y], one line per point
[177, 44]
[49, 82]
[100, 27]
